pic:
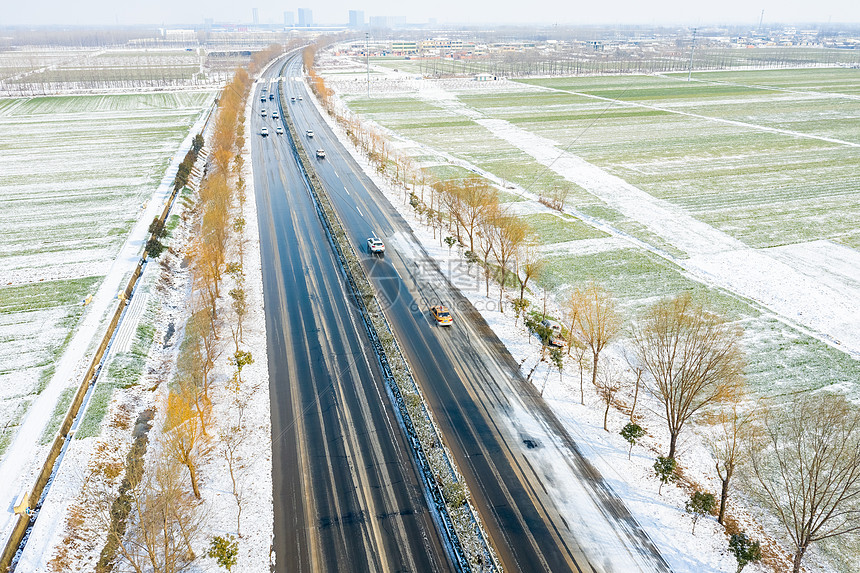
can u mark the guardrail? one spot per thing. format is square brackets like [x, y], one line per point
[463, 532]
[63, 438]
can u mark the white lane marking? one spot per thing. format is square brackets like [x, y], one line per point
[359, 211]
[347, 190]
[336, 175]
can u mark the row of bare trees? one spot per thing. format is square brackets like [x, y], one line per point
[167, 511]
[801, 459]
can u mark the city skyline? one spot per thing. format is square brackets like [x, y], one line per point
[336, 13]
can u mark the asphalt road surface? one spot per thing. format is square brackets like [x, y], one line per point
[544, 506]
[346, 493]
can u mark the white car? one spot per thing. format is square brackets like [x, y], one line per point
[275, 115]
[279, 130]
[309, 133]
[321, 153]
[263, 113]
[292, 99]
[375, 246]
[300, 98]
[264, 132]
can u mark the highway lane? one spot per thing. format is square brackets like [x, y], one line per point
[544, 505]
[346, 493]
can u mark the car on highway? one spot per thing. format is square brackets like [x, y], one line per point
[293, 99]
[309, 133]
[442, 315]
[271, 96]
[263, 98]
[264, 132]
[263, 113]
[300, 98]
[279, 130]
[321, 153]
[375, 246]
[275, 115]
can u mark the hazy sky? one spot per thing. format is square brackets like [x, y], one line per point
[562, 12]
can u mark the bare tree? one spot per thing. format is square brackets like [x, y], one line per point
[608, 384]
[487, 240]
[727, 447]
[597, 321]
[581, 357]
[163, 521]
[637, 371]
[509, 234]
[805, 466]
[571, 311]
[529, 265]
[231, 442]
[476, 196]
[693, 358]
[184, 440]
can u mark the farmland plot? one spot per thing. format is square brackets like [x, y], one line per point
[76, 172]
[34, 71]
[676, 142]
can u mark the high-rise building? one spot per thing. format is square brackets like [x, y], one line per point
[256, 14]
[356, 18]
[306, 18]
[379, 21]
[289, 19]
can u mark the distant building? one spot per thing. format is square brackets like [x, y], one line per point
[441, 45]
[289, 19]
[379, 21]
[306, 18]
[403, 48]
[356, 18]
[177, 35]
[256, 17]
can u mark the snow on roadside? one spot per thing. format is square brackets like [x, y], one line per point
[662, 516]
[253, 466]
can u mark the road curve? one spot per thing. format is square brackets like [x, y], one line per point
[346, 493]
[544, 505]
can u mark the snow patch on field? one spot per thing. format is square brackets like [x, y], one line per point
[817, 298]
[24, 456]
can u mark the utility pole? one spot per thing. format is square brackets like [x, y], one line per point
[692, 47]
[367, 60]
[760, 20]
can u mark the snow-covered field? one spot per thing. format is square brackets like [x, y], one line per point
[77, 173]
[31, 70]
[710, 199]
[82, 178]
[781, 261]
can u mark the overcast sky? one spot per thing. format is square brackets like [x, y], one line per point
[561, 12]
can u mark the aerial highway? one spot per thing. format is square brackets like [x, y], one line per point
[544, 505]
[346, 493]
